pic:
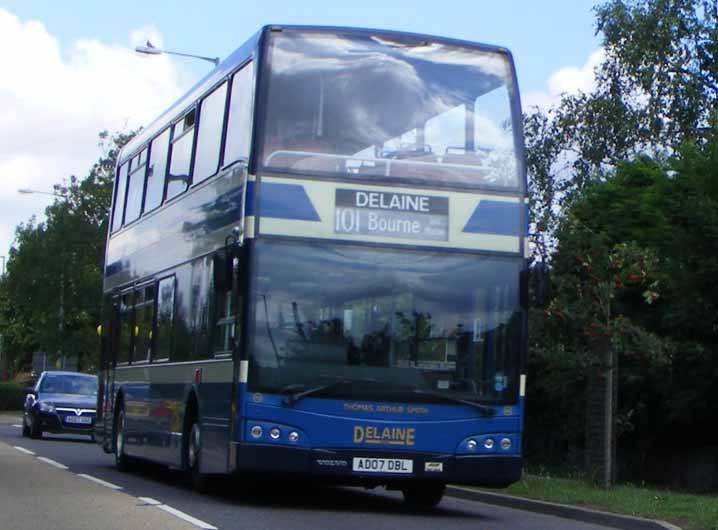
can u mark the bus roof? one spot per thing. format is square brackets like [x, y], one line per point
[246, 51]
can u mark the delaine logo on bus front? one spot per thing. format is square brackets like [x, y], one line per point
[391, 214]
[367, 434]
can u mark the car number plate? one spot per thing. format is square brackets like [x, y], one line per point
[383, 465]
[83, 420]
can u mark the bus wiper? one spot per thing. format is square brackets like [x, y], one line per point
[486, 411]
[298, 391]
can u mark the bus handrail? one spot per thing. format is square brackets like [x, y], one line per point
[387, 161]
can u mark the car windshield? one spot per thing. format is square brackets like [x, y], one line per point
[392, 107]
[69, 384]
[389, 322]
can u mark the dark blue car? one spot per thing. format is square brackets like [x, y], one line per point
[60, 402]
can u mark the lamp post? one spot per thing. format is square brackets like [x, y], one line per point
[149, 49]
[26, 191]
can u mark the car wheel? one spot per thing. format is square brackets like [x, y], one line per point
[193, 448]
[424, 496]
[122, 461]
[35, 431]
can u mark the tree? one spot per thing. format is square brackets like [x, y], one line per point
[656, 90]
[50, 296]
[593, 188]
[585, 317]
[664, 53]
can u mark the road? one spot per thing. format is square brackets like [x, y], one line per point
[232, 504]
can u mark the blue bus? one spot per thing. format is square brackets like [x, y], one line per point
[316, 266]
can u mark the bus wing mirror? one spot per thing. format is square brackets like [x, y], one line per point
[542, 283]
[223, 263]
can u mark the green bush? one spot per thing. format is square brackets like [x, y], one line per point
[11, 396]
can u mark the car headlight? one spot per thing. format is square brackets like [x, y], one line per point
[47, 407]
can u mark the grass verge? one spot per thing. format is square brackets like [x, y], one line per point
[689, 511]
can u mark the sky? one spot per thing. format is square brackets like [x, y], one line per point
[68, 69]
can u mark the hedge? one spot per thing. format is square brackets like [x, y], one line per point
[11, 395]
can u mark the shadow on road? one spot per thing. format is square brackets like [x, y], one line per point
[60, 438]
[289, 493]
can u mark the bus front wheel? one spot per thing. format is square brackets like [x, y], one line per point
[199, 480]
[424, 496]
[122, 461]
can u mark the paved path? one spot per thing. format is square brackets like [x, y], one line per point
[37, 494]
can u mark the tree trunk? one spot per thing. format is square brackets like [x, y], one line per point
[600, 414]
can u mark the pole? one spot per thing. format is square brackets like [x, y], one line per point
[61, 323]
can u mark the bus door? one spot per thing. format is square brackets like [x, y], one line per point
[219, 388]
[108, 333]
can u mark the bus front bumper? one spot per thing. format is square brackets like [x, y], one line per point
[337, 465]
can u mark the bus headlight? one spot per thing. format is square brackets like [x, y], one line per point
[505, 444]
[489, 443]
[471, 444]
[256, 431]
[293, 436]
[275, 433]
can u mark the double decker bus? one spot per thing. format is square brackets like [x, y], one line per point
[316, 265]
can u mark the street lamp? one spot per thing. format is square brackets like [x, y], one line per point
[26, 191]
[61, 319]
[149, 49]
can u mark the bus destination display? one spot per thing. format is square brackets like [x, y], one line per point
[389, 214]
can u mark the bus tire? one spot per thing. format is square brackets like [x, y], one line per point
[193, 456]
[122, 461]
[424, 496]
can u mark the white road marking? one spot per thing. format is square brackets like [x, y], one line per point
[188, 518]
[18, 425]
[52, 462]
[100, 481]
[149, 501]
[23, 450]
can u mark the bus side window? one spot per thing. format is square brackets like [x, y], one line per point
[199, 311]
[209, 134]
[136, 186]
[144, 306]
[165, 320]
[239, 121]
[125, 342]
[156, 171]
[120, 191]
[181, 155]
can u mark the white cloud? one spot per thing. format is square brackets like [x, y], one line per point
[54, 102]
[567, 80]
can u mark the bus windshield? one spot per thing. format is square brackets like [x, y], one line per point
[390, 107]
[445, 323]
